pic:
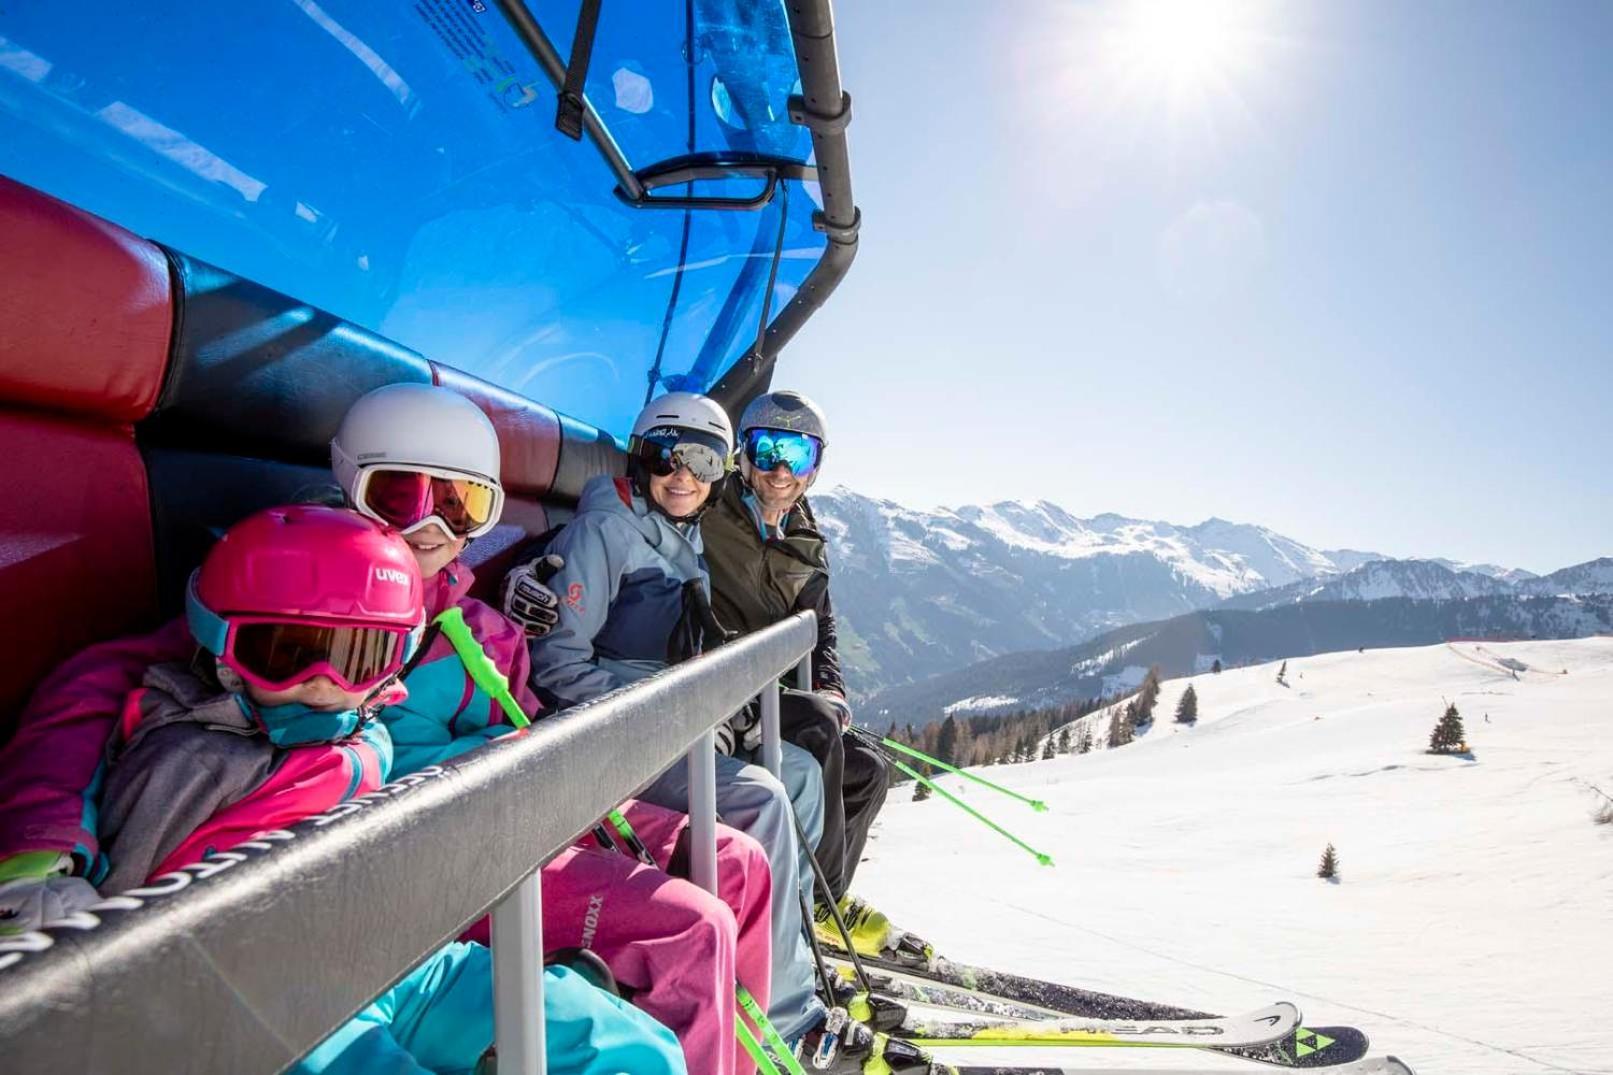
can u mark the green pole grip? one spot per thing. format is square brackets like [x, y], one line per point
[1045, 860]
[483, 672]
[1035, 804]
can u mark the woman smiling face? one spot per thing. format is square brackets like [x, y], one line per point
[678, 494]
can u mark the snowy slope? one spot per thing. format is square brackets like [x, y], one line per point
[1471, 931]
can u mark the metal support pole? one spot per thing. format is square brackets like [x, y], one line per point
[703, 812]
[803, 674]
[518, 979]
[772, 746]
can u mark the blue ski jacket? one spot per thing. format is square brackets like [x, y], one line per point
[621, 594]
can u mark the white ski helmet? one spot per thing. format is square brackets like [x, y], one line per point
[788, 411]
[685, 410]
[682, 422]
[419, 427]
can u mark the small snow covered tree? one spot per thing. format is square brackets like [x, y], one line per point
[1449, 736]
[1329, 869]
[1216, 667]
[1603, 814]
[1083, 739]
[1282, 674]
[1064, 740]
[1187, 710]
[1048, 752]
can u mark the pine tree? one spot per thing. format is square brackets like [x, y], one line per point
[1282, 674]
[1187, 710]
[1064, 740]
[921, 791]
[1047, 750]
[1216, 667]
[947, 742]
[1449, 736]
[1147, 696]
[1122, 727]
[1329, 869]
[1083, 740]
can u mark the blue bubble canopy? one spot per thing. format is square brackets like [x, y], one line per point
[399, 166]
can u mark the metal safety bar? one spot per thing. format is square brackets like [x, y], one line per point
[244, 961]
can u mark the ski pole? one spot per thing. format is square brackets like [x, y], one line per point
[786, 1055]
[829, 901]
[1035, 804]
[478, 665]
[1045, 860]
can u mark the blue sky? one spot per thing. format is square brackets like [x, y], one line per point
[1343, 270]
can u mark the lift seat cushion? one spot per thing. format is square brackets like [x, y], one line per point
[86, 311]
[76, 561]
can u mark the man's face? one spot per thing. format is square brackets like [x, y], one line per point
[777, 489]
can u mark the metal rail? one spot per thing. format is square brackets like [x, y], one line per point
[246, 960]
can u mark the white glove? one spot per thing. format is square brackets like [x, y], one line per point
[527, 601]
[30, 902]
[842, 710]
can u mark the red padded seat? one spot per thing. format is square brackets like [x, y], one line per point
[86, 315]
[86, 311]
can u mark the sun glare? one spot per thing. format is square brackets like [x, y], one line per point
[1183, 45]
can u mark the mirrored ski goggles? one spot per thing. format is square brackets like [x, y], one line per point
[706, 456]
[410, 497]
[769, 449]
[277, 655]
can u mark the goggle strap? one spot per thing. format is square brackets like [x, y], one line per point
[210, 629]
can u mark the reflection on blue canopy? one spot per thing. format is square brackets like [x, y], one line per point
[398, 166]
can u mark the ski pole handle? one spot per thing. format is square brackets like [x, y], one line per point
[1045, 860]
[478, 665]
[1035, 804]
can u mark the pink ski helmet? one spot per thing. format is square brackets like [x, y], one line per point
[305, 590]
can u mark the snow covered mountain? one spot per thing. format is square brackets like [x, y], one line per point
[1468, 931]
[918, 593]
[1183, 645]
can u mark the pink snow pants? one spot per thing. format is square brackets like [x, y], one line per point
[675, 946]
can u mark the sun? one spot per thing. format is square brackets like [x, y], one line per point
[1180, 46]
[1183, 41]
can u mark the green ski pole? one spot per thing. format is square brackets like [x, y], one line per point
[483, 672]
[1045, 860]
[786, 1056]
[1035, 804]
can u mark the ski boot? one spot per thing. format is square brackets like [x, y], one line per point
[876, 1010]
[872, 934]
[840, 1045]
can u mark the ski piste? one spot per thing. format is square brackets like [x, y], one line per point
[1377, 1065]
[1253, 1028]
[1304, 1047]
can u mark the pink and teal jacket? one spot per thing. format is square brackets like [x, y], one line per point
[446, 713]
[191, 772]
[51, 770]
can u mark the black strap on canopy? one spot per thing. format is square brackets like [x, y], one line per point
[568, 118]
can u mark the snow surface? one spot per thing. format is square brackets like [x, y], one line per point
[1472, 931]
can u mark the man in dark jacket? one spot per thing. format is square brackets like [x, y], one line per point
[768, 561]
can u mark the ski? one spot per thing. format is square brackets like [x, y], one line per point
[1378, 1065]
[1253, 1028]
[1304, 1047]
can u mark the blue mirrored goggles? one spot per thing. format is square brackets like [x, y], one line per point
[769, 449]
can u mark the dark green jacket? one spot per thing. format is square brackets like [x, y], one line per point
[755, 583]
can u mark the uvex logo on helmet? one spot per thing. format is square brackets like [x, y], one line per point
[392, 574]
